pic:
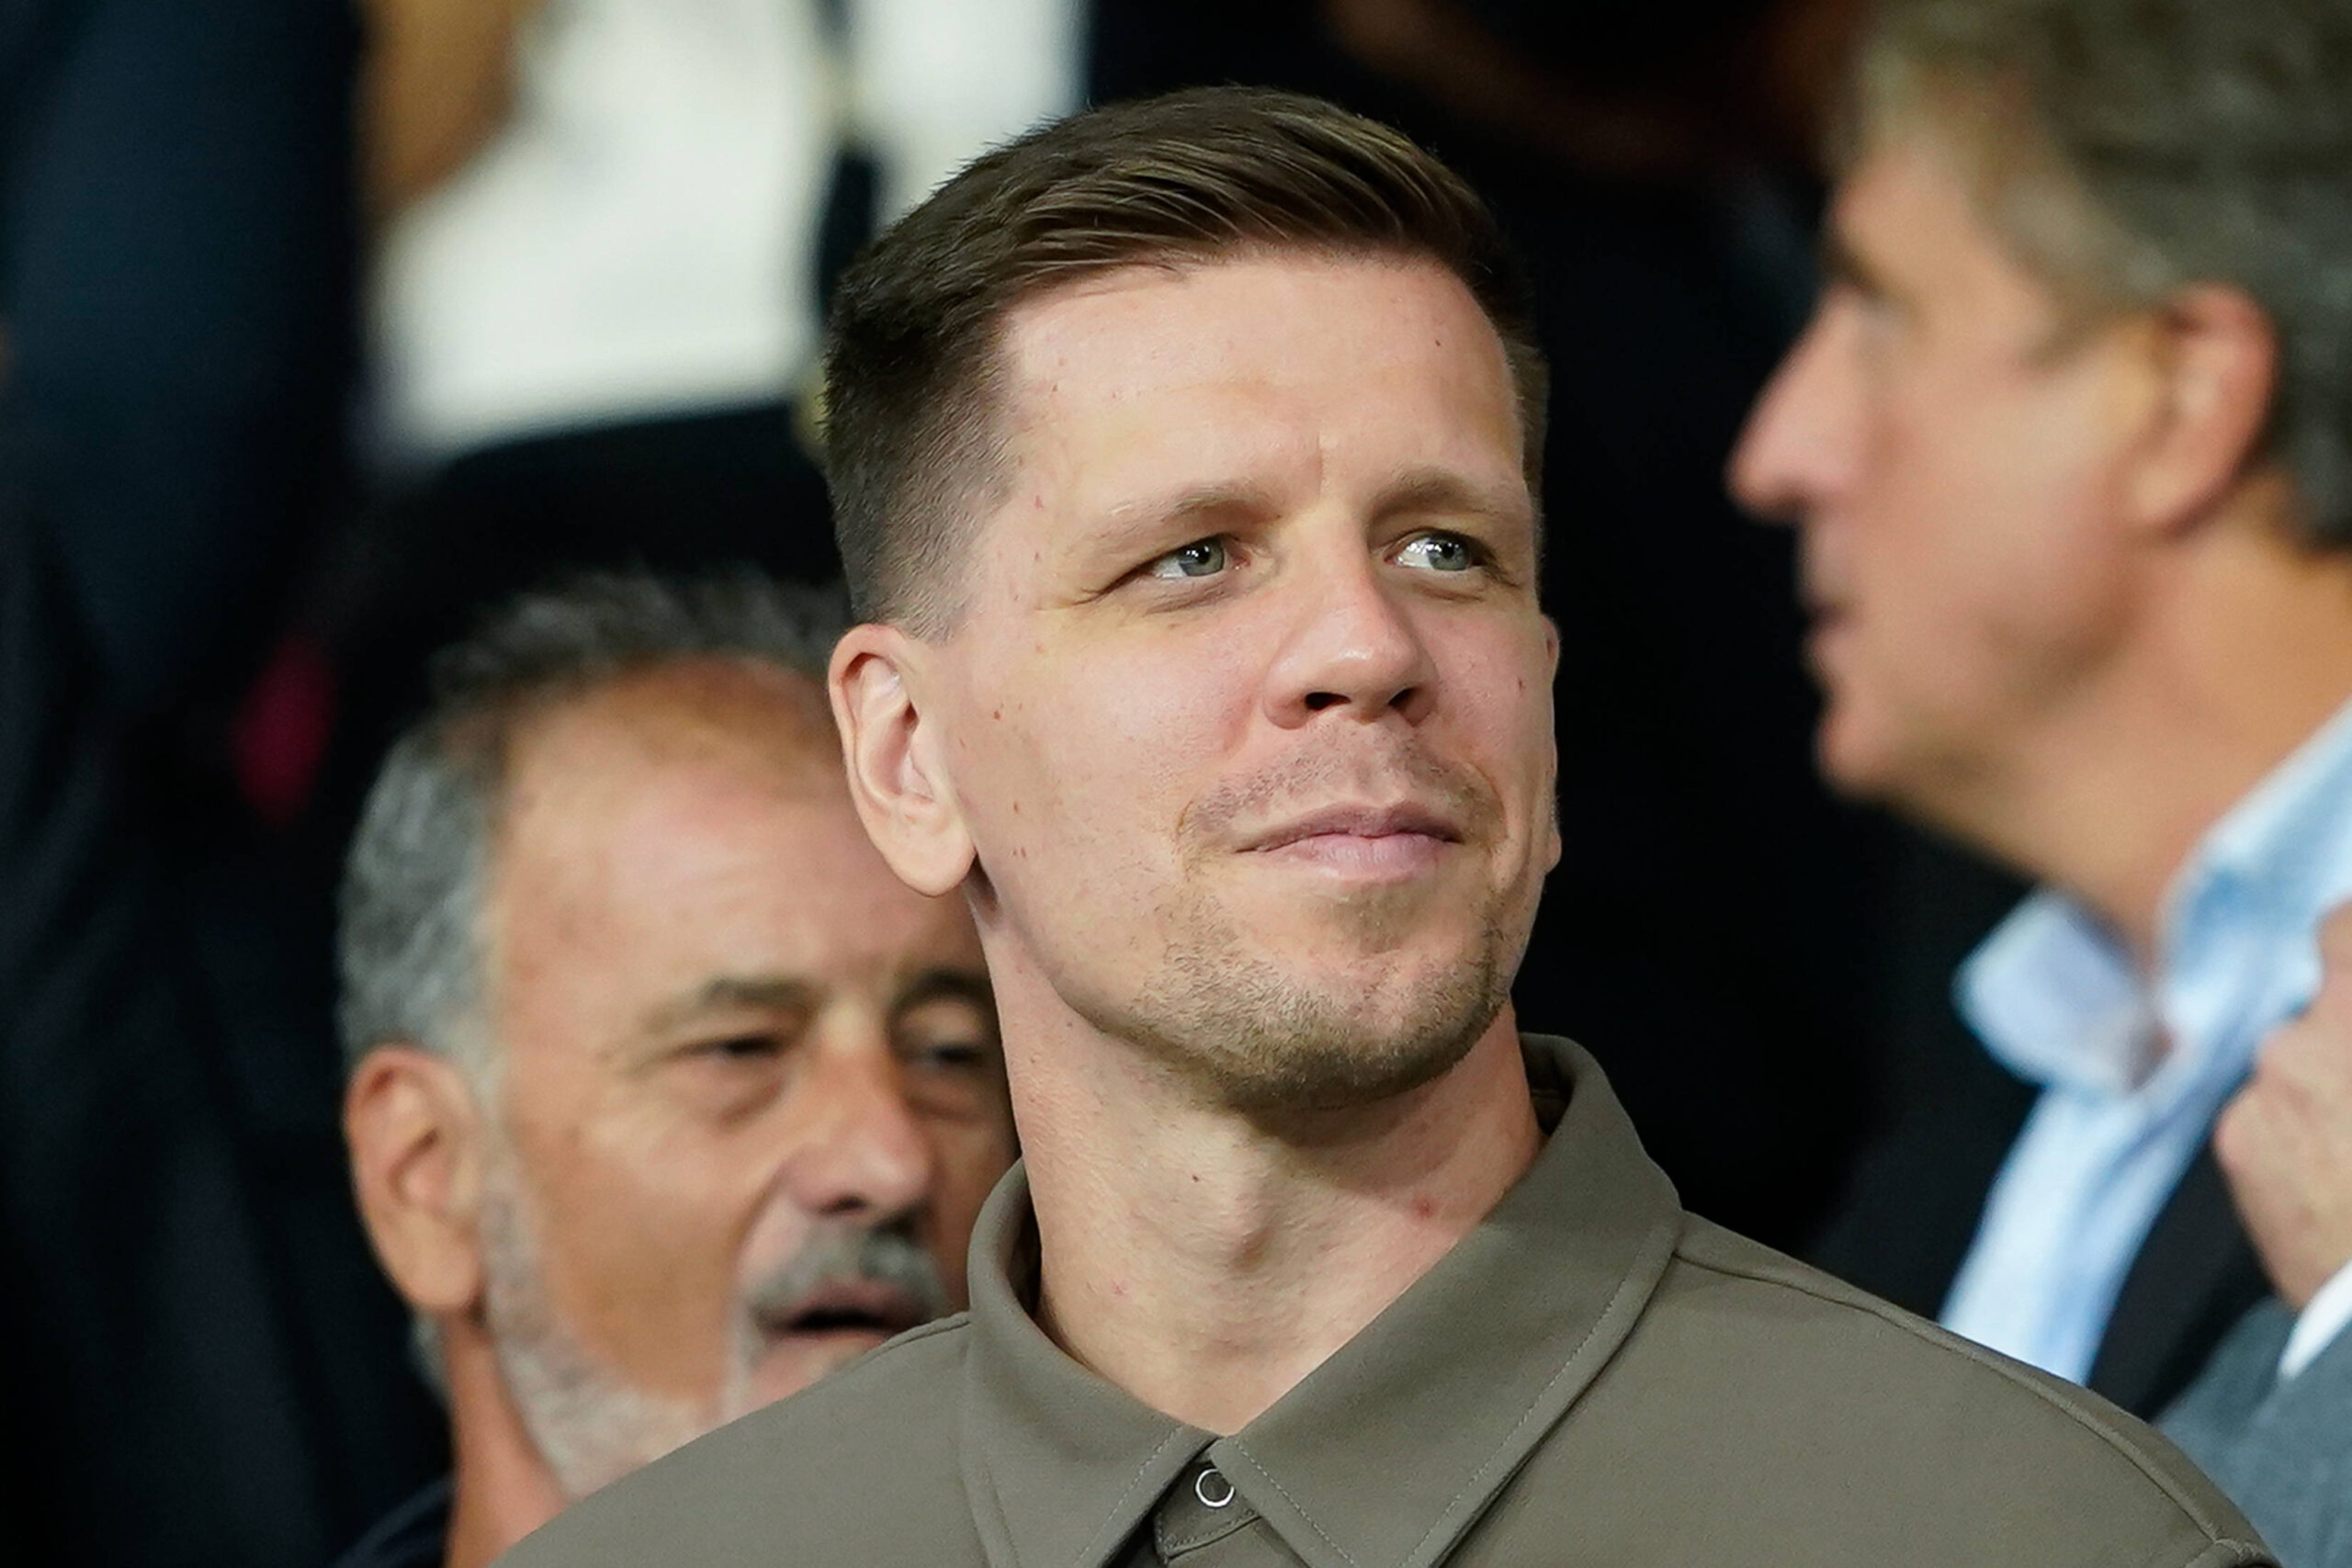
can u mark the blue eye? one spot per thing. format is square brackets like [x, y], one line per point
[1438, 552]
[1201, 558]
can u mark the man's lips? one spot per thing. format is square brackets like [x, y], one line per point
[1402, 820]
[1822, 600]
[851, 1307]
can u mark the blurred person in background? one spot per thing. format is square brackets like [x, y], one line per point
[201, 1343]
[604, 230]
[2269, 1418]
[2068, 447]
[207, 1366]
[177, 242]
[667, 1098]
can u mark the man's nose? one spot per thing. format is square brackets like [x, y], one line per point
[860, 1152]
[1796, 451]
[1353, 646]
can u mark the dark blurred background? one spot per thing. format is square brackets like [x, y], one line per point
[252, 471]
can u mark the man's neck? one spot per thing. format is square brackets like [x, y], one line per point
[1205, 1263]
[502, 1489]
[2246, 654]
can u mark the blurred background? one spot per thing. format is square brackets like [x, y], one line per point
[322, 328]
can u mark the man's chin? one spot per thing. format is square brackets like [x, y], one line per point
[1364, 931]
[1848, 753]
[1301, 1031]
[1382, 985]
[1867, 755]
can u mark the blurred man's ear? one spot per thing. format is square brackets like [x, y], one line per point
[2216, 364]
[897, 765]
[417, 1153]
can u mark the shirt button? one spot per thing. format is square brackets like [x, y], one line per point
[1212, 1488]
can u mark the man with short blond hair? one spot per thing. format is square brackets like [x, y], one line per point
[1181, 457]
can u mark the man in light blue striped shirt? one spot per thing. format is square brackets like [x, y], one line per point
[2069, 447]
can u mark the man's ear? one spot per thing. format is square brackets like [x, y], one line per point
[2217, 367]
[897, 756]
[417, 1153]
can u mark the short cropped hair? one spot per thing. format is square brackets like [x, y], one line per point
[408, 941]
[913, 447]
[2126, 149]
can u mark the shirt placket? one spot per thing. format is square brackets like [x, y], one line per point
[1201, 1522]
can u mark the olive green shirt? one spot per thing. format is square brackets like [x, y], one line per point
[1591, 1377]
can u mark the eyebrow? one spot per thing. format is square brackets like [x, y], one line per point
[947, 985]
[1440, 489]
[1841, 263]
[1421, 489]
[1155, 515]
[776, 993]
[721, 993]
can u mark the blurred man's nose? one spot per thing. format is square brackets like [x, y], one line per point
[1797, 449]
[859, 1151]
[1351, 647]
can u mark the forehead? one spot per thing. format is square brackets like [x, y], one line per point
[577, 760]
[1910, 224]
[661, 833]
[1151, 374]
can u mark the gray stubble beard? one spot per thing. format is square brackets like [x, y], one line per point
[591, 1426]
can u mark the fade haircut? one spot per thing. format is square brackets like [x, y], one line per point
[2126, 149]
[408, 941]
[914, 437]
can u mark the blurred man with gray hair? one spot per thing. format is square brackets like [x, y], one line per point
[666, 1098]
[2069, 447]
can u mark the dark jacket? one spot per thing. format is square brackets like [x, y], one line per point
[414, 1534]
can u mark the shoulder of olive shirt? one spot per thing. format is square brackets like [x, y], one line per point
[1592, 1377]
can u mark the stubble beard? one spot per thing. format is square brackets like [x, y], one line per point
[1261, 1039]
[1266, 1037]
[589, 1424]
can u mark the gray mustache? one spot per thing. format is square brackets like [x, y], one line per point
[882, 1257]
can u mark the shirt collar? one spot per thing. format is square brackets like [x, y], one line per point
[2054, 999]
[2285, 844]
[2057, 1000]
[1477, 1360]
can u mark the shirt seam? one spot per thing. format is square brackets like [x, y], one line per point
[1486, 1465]
[979, 1457]
[2224, 1551]
[2132, 1452]
[1173, 1545]
[863, 1368]
[931, 1330]
[1102, 1539]
[1321, 1534]
[1607, 1313]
